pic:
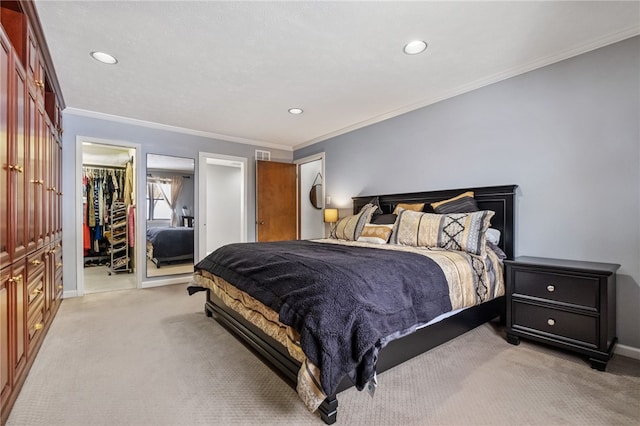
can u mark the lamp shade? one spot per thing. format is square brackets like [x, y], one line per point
[331, 215]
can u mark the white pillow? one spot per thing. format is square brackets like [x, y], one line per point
[493, 236]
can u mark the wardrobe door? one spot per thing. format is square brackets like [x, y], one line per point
[31, 171]
[18, 161]
[5, 348]
[4, 151]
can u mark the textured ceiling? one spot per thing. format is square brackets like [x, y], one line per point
[232, 69]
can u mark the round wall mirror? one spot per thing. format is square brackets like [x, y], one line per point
[315, 196]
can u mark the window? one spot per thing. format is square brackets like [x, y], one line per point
[157, 206]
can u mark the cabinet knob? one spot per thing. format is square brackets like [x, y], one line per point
[60, 286]
[38, 326]
[35, 262]
[37, 291]
[551, 288]
[59, 264]
[551, 321]
[15, 279]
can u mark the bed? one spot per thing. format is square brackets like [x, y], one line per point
[297, 356]
[167, 245]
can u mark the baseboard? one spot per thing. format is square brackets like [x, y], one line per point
[69, 294]
[167, 281]
[628, 351]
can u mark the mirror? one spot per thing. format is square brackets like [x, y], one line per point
[169, 213]
[315, 194]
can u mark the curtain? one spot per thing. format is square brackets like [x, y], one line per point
[176, 189]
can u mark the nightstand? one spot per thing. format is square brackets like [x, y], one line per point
[564, 303]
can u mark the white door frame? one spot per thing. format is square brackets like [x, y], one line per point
[140, 201]
[299, 162]
[201, 200]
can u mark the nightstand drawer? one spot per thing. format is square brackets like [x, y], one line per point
[576, 290]
[570, 325]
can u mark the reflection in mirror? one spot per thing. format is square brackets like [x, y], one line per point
[169, 214]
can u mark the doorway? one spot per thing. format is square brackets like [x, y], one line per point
[106, 222]
[311, 196]
[222, 201]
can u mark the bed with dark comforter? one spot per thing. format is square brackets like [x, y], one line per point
[331, 312]
[166, 244]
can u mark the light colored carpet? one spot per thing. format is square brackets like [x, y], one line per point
[169, 269]
[151, 357]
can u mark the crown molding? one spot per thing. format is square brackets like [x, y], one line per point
[495, 78]
[176, 129]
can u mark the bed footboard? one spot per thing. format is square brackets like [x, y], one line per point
[397, 352]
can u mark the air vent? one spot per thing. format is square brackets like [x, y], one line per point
[263, 155]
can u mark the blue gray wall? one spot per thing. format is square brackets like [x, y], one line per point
[151, 140]
[568, 134]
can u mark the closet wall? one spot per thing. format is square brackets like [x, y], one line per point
[30, 195]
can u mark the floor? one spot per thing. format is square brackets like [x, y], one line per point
[97, 279]
[171, 269]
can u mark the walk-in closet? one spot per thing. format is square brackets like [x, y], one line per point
[108, 210]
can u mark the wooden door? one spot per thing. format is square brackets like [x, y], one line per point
[275, 201]
[5, 347]
[4, 152]
[31, 172]
[18, 283]
[17, 238]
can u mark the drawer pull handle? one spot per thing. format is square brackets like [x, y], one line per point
[35, 262]
[38, 326]
[551, 321]
[37, 291]
[551, 288]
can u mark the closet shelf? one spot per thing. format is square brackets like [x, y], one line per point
[119, 250]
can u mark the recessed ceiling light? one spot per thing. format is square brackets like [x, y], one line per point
[415, 47]
[105, 58]
[295, 111]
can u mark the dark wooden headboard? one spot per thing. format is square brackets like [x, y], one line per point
[500, 199]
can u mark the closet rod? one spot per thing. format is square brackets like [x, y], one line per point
[98, 166]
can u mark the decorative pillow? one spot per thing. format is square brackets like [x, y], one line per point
[377, 234]
[375, 201]
[384, 219]
[349, 228]
[463, 203]
[455, 231]
[417, 207]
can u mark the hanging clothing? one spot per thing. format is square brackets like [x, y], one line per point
[131, 219]
[100, 190]
[128, 183]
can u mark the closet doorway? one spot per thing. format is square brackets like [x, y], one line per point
[222, 197]
[107, 225]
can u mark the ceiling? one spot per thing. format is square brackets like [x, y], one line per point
[231, 70]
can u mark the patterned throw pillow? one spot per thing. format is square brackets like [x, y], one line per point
[463, 203]
[455, 231]
[377, 234]
[417, 207]
[349, 228]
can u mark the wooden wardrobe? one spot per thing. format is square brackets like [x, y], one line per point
[30, 195]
